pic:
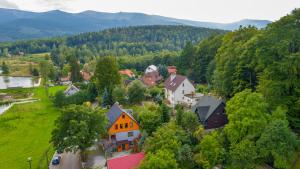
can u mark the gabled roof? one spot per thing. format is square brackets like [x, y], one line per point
[115, 112]
[150, 79]
[206, 106]
[73, 89]
[127, 72]
[126, 162]
[173, 84]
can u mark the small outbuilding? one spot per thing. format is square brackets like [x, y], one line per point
[211, 112]
[71, 90]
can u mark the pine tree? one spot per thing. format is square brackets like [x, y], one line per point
[5, 68]
[165, 116]
[107, 98]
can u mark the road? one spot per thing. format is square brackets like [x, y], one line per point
[68, 161]
[71, 161]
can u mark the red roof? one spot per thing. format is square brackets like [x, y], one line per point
[172, 69]
[127, 72]
[126, 162]
[85, 75]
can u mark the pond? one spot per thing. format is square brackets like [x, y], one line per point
[14, 82]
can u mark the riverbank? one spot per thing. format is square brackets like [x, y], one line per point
[26, 130]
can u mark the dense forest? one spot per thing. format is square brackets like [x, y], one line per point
[267, 61]
[117, 41]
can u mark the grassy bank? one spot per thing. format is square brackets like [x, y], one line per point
[25, 131]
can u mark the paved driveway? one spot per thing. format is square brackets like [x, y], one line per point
[71, 161]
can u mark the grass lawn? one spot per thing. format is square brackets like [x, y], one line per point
[25, 131]
[19, 66]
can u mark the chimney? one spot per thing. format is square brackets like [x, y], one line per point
[173, 75]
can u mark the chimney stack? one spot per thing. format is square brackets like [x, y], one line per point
[173, 75]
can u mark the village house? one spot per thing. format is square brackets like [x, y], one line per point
[71, 90]
[211, 112]
[130, 161]
[86, 76]
[127, 72]
[123, 128]
[172, 69]
[151, 68]
[66, 80]
[176, 87]
[151, 79]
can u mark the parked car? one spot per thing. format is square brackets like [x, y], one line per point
[56, 160]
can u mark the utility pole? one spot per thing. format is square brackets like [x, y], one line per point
[29, 159]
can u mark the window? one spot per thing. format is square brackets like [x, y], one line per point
[182, 91]
[116, 126]
[123, 116]
[126, 125]
[130, 134]
[131, 124]
[182, 84]
[121, 126]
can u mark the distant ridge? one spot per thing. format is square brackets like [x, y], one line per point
[17, 24]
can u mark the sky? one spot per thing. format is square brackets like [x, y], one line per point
[223, 11]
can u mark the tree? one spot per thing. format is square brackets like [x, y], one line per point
[277, 143]
[5, 68]
[136, 92]
[165, 113]
[77, 128]
[211, 152]
[163, 71]
[150, 121]
[167, 137]
[107, 75]
[243, 155]
[185, 157]
[179, 115]
[163, 159]
[186, 58]
[190, 122]
[119, 94]
[59, 99]
[75, 70]
[35, 72]
[107, 99]
[248, 114]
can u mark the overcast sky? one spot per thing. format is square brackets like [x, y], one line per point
[201, 10]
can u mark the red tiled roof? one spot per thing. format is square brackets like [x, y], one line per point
[127, 72]
[172, 69]
[85, 75]
[150, 79]
[126, 162]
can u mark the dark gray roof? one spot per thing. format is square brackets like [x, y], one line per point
[115, 111]
[206, 106]
[173, 84]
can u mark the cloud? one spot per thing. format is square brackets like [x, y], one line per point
[7, 4]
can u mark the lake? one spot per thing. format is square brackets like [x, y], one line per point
[23, 82]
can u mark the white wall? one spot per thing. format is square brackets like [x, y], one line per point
[188, 88]
[124, 135]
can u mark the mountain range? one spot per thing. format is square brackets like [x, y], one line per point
[19, 25]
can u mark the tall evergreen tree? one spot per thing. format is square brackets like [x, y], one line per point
[107, 74]
[75, 70]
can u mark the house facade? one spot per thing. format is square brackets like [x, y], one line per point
[123, 128]
[211, 112]
[151, 78]
[71, 90]
[176, 87]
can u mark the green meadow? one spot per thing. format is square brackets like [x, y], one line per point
[25, 131]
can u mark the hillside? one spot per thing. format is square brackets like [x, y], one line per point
[119, 41]
[17, 25]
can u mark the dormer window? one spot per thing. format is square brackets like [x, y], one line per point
[123, 116]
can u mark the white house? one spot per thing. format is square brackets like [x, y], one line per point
[151, 68]
[176, 87]
[71, 90]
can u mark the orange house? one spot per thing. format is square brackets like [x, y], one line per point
[123, 128]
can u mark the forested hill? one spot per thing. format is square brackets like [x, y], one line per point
[118, 41]
[18, 25]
